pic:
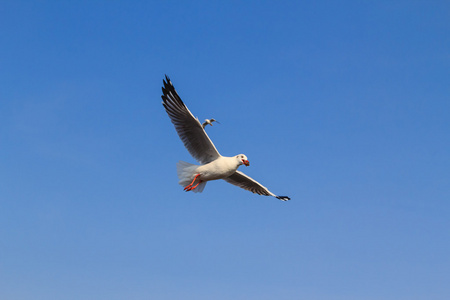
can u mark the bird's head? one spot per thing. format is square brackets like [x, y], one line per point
[243, 160]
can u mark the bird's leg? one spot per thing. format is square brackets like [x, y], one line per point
[191, 188]
[188, 187]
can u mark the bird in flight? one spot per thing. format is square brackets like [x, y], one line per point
[212, 166]
[209, 121]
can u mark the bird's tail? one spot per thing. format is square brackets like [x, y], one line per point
[186, 173]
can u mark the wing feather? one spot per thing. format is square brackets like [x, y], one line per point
[188, 127]
[247, 183]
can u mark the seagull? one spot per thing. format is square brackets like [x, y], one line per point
[213, 166]
[209, 121]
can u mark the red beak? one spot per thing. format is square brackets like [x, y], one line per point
[246, 162]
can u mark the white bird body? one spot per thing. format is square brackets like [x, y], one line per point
[218, 169]
[213, 165]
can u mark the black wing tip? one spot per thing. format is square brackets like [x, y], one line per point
[167, 80]
[170, 96]
[283, 198]
[169, 89]
[167, 85]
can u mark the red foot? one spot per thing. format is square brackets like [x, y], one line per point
[189, 186]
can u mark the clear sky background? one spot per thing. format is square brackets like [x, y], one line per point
[342, 105]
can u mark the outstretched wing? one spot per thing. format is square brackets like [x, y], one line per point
[188, 127]
[247, 183]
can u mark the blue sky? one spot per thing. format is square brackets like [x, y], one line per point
[342, 105]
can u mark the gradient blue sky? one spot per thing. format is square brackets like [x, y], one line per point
[342, 105]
